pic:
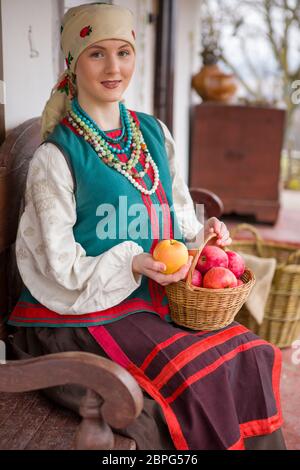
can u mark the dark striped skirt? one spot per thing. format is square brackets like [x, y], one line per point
[203, 390]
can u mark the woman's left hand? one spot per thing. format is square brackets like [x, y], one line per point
[223, 236]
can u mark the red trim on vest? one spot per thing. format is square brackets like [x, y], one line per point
[66, 123]
[158, 290]
[155, 291]
[135, 117]
[26, 312]
[168, 228]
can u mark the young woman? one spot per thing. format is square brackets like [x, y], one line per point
[97, 290]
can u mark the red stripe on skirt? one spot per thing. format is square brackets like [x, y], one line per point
[171, 418]
[164, 345]
[239, 445]
[113, 350]
[190, 353]
[159, 348]
[213, 366]
[110, 346]
[268, 425]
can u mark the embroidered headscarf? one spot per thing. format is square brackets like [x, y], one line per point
[81, 27]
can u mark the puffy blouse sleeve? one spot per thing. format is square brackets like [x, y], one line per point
[52, 265]
[183, 203]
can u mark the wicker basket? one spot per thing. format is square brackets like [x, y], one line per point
[199, 308]
[281, 324]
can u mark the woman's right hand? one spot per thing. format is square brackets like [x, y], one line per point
[145, 264]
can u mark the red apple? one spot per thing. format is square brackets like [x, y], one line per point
[236, 264]
[172, 253]
[239, 282]
[211, 257]
[197, 278]
[219, 278]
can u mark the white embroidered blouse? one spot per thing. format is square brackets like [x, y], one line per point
[53, 266]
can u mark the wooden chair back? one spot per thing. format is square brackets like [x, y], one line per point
[15, 155]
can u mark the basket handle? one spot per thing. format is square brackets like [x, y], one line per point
[294, 258]
[254, 231]
[196, 257]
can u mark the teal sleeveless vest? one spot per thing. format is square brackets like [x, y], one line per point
[106, 217]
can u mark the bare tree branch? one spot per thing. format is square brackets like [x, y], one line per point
[253, 70]
[267, 4]
[236, 72]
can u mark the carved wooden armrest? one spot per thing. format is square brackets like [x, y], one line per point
[213, 204]
[113, 398]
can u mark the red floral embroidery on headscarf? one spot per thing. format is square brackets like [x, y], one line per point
[69, 60]
[66, 86]
[86, 31]
[63, 86]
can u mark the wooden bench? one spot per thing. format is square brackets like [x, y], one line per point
[113, 400]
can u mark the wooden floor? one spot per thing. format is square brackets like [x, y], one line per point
[286, 229]
[29, 421]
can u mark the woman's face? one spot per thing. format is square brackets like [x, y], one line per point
[104, 70]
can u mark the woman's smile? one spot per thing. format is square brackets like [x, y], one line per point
[111, 83]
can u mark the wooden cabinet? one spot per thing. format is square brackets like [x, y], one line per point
[236, 152]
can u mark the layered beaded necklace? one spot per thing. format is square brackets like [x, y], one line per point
[131, 140]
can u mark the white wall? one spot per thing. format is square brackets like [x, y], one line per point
[187, 62]
[139, 95]
[28, 79]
